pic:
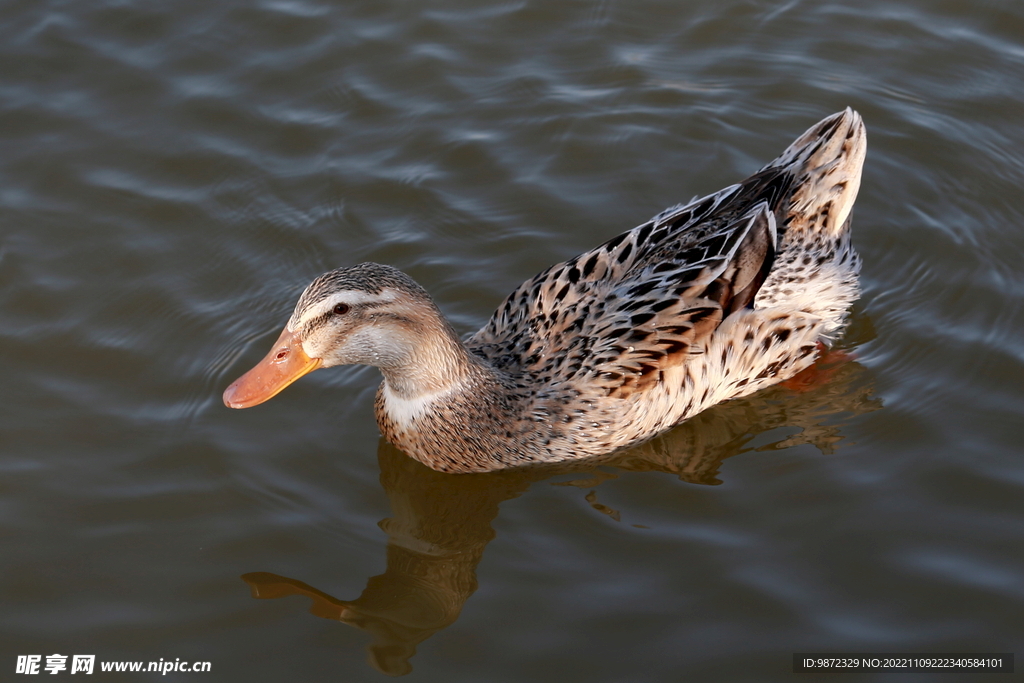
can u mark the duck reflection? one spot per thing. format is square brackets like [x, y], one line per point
[441, 523]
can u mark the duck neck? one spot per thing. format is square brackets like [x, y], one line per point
[434, 362]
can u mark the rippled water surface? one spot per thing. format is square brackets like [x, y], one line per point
[173, 174]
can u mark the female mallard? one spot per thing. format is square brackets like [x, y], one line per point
[706, 302]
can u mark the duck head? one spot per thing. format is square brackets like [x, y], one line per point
[367, 314]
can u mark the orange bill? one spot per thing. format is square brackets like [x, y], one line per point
[285, 363]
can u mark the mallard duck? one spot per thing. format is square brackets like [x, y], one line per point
[707, 301]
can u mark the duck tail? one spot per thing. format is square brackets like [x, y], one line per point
[823, 169]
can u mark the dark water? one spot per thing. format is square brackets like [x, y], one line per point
[172, 175]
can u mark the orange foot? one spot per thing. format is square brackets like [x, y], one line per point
[828, 363]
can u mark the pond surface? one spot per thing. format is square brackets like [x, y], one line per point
[173, 174]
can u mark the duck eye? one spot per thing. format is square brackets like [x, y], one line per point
[341, 309]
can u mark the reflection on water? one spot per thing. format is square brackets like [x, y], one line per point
[441, 523]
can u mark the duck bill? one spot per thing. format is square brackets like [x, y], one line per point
[285, 363]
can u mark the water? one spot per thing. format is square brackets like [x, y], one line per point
[172, 175]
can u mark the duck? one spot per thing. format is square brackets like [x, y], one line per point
[708, 301]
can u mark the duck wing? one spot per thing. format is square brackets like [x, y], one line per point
[649, 298]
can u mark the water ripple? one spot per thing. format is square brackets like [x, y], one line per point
[172, 175]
